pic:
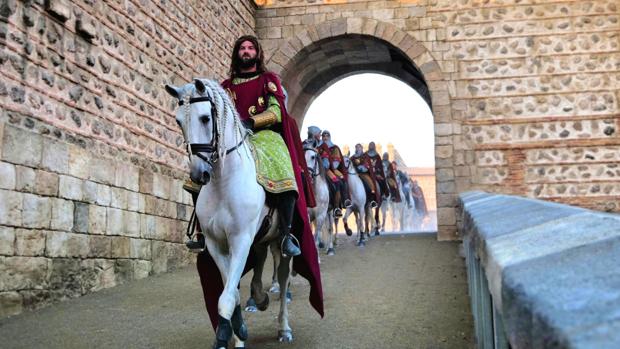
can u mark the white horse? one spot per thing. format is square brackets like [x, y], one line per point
[318, 214]
[231, 204]
[360, 207]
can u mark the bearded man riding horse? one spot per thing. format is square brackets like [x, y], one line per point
[246, 153]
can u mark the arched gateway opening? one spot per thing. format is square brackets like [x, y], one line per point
[313, 60]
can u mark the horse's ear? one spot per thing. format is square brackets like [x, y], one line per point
[349, 153]
[200, 86]
[173, 91]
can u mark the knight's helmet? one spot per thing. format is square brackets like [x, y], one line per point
[313, 131]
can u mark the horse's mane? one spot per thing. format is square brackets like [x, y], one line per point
[225, 110]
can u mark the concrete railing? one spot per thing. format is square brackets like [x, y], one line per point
[541, 274]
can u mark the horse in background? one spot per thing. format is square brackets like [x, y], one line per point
[319, 213]
[361, 204]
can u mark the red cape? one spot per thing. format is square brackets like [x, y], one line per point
[306, 264]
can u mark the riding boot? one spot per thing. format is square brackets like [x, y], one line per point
[286, 208]
[346, 195]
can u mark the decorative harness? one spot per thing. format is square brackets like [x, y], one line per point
[209, 148]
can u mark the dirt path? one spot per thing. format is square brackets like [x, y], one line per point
[397, 292]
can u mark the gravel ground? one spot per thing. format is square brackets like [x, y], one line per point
[400, 291]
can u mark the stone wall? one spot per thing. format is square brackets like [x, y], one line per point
[524, 93]
[91, 163]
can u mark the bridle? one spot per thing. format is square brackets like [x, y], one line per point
[314, 171]
[210, 150]
[350, 168]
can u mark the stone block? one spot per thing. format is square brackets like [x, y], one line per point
[86, 29]
[97, 219]
[124, 270]
[55, 157]
[121, 247]
[102, 171]
[11, 207]
[132, 223]
[140, 248]
[118, 198]
[133, 201]
[81, 217]
[446, 216]
[65, 278]
[8, 177]
[127, 177]
[79, 162]
[61, 244]
[104, 277]
[59, 9]
[445, 174]
[62, 214]
[159, 256]
[10, 304]
[22, 147]
[25, 179]
[100, 247]
[29, 242]
[148, 226]
[46, 183]
[114, 221]
[70, 188]
[161, 186]
[18, 273]
[7, 241]
[104, 195]
[36, 211]
[162, 229]
[89, 191]
[146, 181]
[443, 151]
[443, 129]
[446, 187]
[142, 269]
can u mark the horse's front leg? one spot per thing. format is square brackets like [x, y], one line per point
[285, 334]
[275, 253]
[228, 307]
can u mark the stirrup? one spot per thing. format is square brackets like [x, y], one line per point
[373, 204]
[296, 243]
[348, 203]
[196, 246]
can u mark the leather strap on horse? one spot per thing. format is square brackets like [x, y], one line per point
[191, 226]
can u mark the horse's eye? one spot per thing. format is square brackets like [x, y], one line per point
[204, 118]
[178, 122]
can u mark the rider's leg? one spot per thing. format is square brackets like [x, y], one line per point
[199, 243]
[346, 194]
[286, 208]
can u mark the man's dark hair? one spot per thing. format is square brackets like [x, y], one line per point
[235, 61]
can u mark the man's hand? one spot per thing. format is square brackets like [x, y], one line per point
[248, 123]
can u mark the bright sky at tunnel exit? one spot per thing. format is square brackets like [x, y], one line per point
[374, 107]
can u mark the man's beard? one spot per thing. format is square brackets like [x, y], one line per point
[246, 62]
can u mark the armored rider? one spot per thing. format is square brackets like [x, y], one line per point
[337, 173]
[361, 162]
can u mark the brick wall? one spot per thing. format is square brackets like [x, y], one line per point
[91, 166]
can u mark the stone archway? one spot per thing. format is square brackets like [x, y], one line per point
[322, 54]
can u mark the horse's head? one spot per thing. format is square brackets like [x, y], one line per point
[346, 161]
[312, 160]
[197, 118]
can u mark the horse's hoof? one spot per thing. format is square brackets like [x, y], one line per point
[264, 305]
[361, 243]
[250, 309]
[349, 232]
[239, 328]
[285, 336]
[275, 288]
[321, 244]
[331, 252]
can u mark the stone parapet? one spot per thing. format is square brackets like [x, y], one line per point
[549, 270]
